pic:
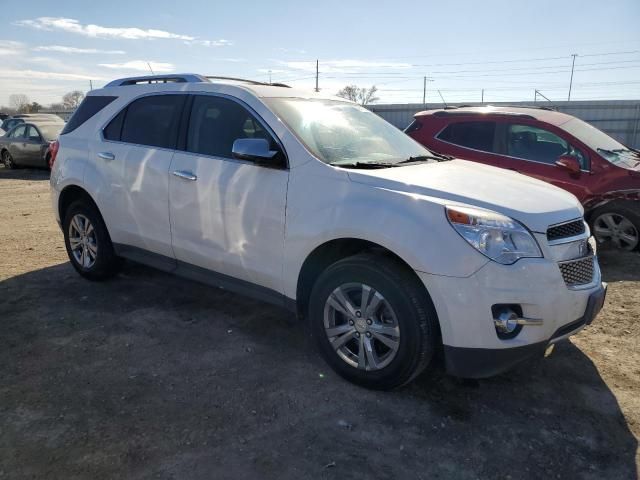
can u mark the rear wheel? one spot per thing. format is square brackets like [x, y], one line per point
[7, 159]
[87, 241]
[617, 224]
[373, 321]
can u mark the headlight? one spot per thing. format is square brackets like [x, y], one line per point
[496, 236]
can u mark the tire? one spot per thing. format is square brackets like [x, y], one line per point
[617, 224]
[102, 261]
[408, 306]
[7, 159]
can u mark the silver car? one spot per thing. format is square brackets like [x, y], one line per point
[27, 143]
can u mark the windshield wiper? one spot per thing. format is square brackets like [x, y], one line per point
[442, 156]
[423, 158]
[610, 152]
[363, 165]
[626, 150]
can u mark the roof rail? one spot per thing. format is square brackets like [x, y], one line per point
[536, 107]
[175, 78]
[245, 80]
[459, 112]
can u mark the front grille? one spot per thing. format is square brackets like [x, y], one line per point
[565, 230]
[577, 272]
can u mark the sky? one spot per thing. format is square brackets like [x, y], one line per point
[509, 48]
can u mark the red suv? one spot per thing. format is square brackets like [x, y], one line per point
[552, 146]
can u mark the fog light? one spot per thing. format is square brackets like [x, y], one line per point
[506, 321]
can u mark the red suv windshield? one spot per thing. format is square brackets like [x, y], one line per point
[608, 147]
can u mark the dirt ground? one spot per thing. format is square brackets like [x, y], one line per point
[152, 376]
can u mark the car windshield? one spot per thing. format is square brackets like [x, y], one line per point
[609, 148]
[342, 133]
[50, 132]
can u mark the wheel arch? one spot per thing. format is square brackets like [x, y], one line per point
[70, 194]
[330, 252]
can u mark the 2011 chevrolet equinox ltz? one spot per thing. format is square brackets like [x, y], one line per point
[389, 251]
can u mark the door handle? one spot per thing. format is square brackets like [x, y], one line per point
[185, 175]
[106, 156]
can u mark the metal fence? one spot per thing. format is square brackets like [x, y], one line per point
[618, 118]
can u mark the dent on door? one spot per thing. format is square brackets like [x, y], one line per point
[231, 220]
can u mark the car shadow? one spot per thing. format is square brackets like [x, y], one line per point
[557, 413]
[24, 173]
[150, 375]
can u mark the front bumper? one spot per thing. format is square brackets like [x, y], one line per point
[486, 362]
[471, 344]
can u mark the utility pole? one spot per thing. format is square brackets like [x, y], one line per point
[269, 77]
[317, 89]
[482, 97]
[573, 63]
[425, 79]
[90, 85]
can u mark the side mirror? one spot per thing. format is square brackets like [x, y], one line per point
[569, 162]
[254, 149]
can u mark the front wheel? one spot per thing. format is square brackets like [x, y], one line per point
[617, 224]
[372, 321]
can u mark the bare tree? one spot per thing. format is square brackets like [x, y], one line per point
[368, 96]
[363, 96]
[20, 102]
[71, 100]
[350, 92]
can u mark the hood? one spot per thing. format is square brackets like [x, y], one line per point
[532, 202]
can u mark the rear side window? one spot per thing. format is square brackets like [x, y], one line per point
[151, 121]
[33, 134]
[87, 109]
[476, 135]
[114, 129]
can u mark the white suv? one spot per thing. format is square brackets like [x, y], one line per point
[392, 253]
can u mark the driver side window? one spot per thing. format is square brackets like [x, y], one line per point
[539, 145]
[217, 122]
[18, 132]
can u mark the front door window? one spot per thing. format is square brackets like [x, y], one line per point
[538, 145]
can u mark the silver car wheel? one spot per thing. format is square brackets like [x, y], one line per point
[83, 241]
[361, 326]
[617, 229]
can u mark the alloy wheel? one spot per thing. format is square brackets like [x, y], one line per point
[361, 326]
[83, 241]
[7, 160]
[617, 229]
